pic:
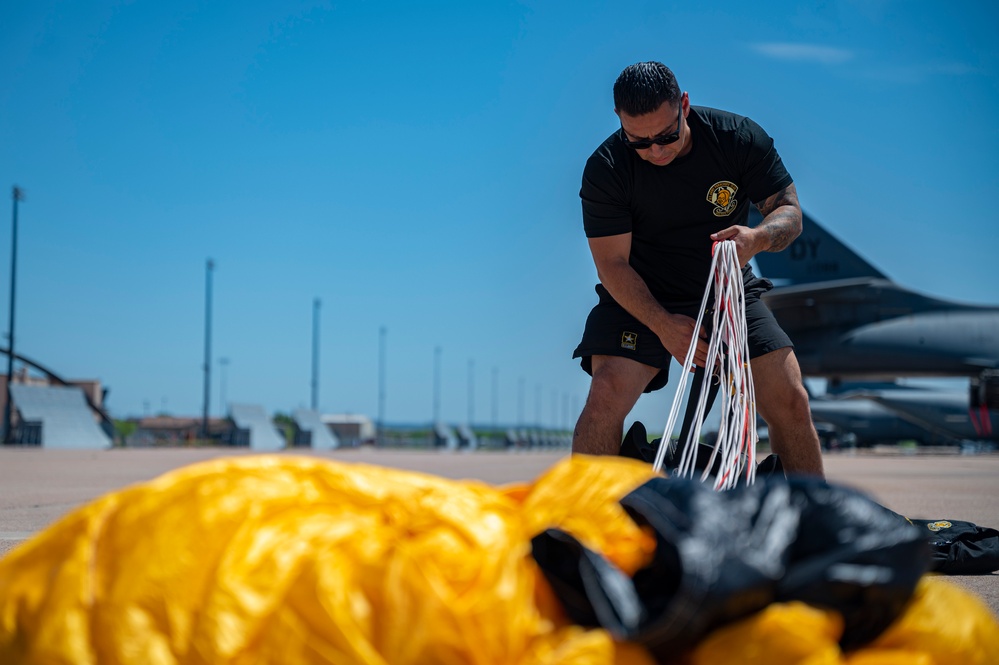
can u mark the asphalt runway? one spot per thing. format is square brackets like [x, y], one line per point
[38, 486]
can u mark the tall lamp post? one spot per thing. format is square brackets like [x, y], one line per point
[437, 384]
[223, 363]
[315, 354]
[18, 195]
[520, 402]
[209, 267]
[471, 393]
[495, 398]
[382, 335]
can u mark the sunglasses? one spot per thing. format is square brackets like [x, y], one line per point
[662, 139]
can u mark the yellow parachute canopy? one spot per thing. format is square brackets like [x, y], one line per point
[281, 559]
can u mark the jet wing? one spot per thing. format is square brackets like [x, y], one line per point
[847, 303]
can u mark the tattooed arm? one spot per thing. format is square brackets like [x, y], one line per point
[780, 226]
[781, 218]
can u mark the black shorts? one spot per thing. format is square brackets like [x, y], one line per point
[611, 331]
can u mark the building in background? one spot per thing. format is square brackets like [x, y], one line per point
[54, 413]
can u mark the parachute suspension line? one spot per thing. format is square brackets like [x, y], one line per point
[728, 354]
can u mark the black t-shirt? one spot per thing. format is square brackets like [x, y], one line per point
[672, 210]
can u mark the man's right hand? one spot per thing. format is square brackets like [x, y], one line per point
[676, 337]
[611, 257]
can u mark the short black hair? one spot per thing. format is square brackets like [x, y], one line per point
[644, 87]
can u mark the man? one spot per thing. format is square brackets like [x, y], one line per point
[656, 194]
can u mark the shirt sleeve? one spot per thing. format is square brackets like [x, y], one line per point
[604, 197]
[763, 169]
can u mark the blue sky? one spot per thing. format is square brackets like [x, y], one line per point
[417, 166]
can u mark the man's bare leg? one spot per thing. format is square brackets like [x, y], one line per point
[616, 386]
[782, 401]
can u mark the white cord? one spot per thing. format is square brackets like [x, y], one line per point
[728, 352]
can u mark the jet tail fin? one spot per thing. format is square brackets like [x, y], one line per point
[815, 256]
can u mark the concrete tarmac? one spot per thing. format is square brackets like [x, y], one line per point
[38, 486]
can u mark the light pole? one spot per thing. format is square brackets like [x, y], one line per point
[537, 405]
[223, 364]
[18, 195]
[315, 354]
[565, 411]
[437, 384]
[209, 267]
[471, 392]
[382, 334]
[495, 398]
[520, 402]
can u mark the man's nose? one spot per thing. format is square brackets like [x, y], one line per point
[657, 150]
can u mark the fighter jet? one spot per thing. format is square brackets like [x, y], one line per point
[869, 422]
[849, 321]
[945, 414]
[879, 412]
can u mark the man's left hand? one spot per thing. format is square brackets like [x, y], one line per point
[746, 241]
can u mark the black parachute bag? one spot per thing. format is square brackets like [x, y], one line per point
[636, 446]
[960, 548]
[721, 556]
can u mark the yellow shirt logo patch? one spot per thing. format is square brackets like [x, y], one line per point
[936, 526]
[722, 196]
